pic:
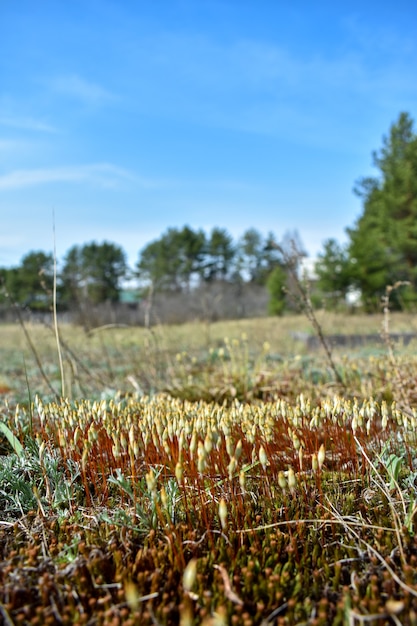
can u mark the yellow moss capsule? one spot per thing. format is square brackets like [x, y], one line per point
[394, 607]
[300, 458]
[201, 465]
[232, 467]
[208, 443]
[77, 435]
[84, 458]
[242, 480]
[229, 446]
[193, 443]
[292, 480]
[164, 497]
[296, 442]
[132, 436]
[41, 451]
[132, 595]
[62, 439]
[314, 462]
[190, 575]
[282, 481]
[321, 456]
[150, 481]
[223, 513]
[179, 472]
[238, 450]
[201, 451]
[116, 449]
[262, 457]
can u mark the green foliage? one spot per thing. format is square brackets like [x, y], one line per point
[393, 466]
[257, 256]
[171, 261]
[33, 477]
[179, 261]
[93, 273]
[333, 270]
[275, 284]
[383, 242]
[30, 284]
[180, 258]
[250, 247]
[12, 439]
[382, 247]
[220, 254]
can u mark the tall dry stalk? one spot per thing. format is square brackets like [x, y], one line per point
[55, 318]
[303, 301]
[400, 381]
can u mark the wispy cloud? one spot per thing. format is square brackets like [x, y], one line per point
[26, 123]
[102, 175]
[9, 145]
[266, 87]
[378, 39]
[76, 86]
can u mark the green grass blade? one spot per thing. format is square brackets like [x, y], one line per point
[12, 439]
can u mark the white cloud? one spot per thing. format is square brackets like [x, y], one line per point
[7, 145]
[377, 39]
[269, 88]
[78, 87]
[99, 174]
[26, 123]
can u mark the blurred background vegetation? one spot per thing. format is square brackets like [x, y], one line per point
[189, 274]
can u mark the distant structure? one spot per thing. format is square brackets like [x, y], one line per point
[306, 269]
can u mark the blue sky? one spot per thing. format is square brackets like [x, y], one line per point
[123, 118]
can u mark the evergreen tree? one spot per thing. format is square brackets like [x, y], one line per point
[93, 273]
[251, 248]
[30, 284]
[172, 261]
[258, 256]
[220, 255]
[275, 284]
[383, 242]
[333, 271]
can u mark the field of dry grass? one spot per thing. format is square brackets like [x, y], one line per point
[112, 359]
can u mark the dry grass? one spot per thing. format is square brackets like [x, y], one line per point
[111, 355]
[201, 335]
[129, 360]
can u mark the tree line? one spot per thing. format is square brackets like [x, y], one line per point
[180, 260]
[381, 250]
